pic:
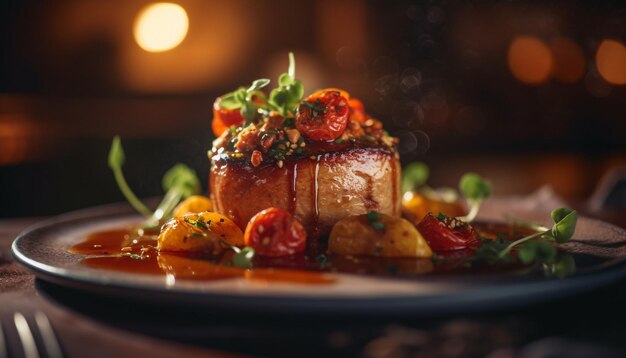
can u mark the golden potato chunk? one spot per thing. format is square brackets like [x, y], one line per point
[377, 234]
[205, 232]
[193, 204]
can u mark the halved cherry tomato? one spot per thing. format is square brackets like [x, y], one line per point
[323, 115]
[274, 232]
[447, 234]
[357, 110]
[224, 118]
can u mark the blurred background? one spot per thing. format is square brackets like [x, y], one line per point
[525, 93]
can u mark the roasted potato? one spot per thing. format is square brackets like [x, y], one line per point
[377, 234]
[193, 204]
[205, 232]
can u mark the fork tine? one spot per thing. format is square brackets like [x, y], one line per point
[26, 336]
[4, 353]
[50, 341]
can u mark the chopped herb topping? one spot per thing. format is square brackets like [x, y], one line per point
[373, 219]
[322, 260]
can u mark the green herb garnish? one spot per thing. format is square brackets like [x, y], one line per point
[242, 97]
[475, 189]
[243, 257]
[116, 161]
[322, 260]
[179, 182]
[286, 97]
[373, 218]
[538, 247]
[414, 176]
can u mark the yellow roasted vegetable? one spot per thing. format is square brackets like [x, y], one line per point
[415, 206]
[375, 234]
[193, 204]
[206, 232]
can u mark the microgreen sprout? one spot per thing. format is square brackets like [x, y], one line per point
[116, 161]
[414, 176]
[475, 189]
[243, 257]
[285, 98]
[538, 247]
[242, 98]
[322, 260]
[179, 182]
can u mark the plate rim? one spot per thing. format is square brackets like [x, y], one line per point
[475, 298]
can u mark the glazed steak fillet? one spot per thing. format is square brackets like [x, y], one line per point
[319, 190]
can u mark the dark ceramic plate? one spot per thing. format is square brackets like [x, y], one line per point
[598, 249]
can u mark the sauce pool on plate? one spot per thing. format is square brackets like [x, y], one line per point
[134, 251]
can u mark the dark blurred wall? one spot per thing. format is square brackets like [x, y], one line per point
[512, 89]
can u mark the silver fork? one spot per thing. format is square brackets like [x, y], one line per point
[51, 347]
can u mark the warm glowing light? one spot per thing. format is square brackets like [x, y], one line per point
[611, 62]
[161, 27]
[569, 60]
[530, 60]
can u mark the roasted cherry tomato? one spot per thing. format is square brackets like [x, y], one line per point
[447, 233]
[224, 118]
[274, 232]
[323, 115]
[357, 110]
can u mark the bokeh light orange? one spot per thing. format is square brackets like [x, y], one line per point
[160, 27]
[569, 60]
[530, 60]
[611, 61]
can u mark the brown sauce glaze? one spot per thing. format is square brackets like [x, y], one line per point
[315, 210]
[292, 172]
[368, 199]
[127, 251]
[394, 187]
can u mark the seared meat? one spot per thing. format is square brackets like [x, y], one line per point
[319, 190]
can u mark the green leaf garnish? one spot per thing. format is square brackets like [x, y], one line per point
[322, 260]
[414, 176]
[564, 224]
[563, 267]
[373, 218]
[243, 257]
[542, 251]
[182, 177]
[286, 97]
[241, 98]
[116, 161]
[475, 189]
[538, 247]
[179, 182]
[257, 85]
